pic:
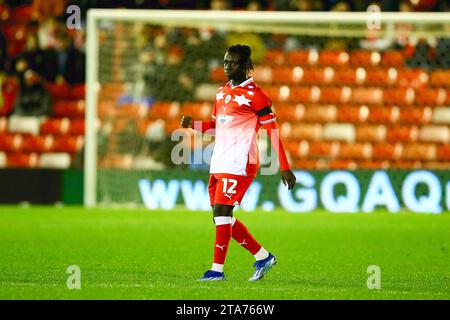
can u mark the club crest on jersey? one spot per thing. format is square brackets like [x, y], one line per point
[224, 119]
[228, 98]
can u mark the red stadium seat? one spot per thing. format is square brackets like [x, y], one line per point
[11, 142]
[373, 164]
[412, 78]
[3, 125]
[69, 144]
[22, 13]
[77, 127]
[302, 57]
[77, 91]
[198, 110]
[22, 160]
[306, 131]
[38, 143]
[302, 94]
[284, 75]
[443, 152]
[402, 134]
[341, 164]
[335, 95]
[164, 110]
[58, 91]
[317, 75]
[55, 126]
[349, 76]
[69, 108]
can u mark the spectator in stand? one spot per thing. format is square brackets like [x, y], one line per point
[3, 51]
[32, 58]
[33, 99]
[65, 63]
[44, 9]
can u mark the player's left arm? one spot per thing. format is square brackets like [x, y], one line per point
[262, 106]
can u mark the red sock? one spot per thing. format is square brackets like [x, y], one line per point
[223, 237]
[244, 238]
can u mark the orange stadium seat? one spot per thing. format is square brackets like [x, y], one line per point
[437, 134]
[355, 151]
[364, 58]
[301, 57]
[286, 112]
[412, 78]
[381, 76]
[198, 110]
[309, 164]
[303, 94]
[392, 58]
[440, 77]
[416, 115]
[436, 165]
[323, 149]
[371, 133]
[355, 114]
[3, 124]
[320, 114]
[335, 95]
[164, 110]
[333, 58]
[406, 164]
[430, 96]
[402, 134]
[263, 74]
[317, 75]
[387, 151]
[373, 164]
[383, 114]
[55, 126]
[349, 76]
[38, 143]
[341, 164]
[416, 151]
[361, 95]
[275, 57]
[307, 131]
[398, 96]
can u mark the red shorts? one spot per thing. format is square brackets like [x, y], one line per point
[228, 189]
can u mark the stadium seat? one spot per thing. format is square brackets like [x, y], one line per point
[274, 57]
[326, 149]
[371, 133]
[69, 108]
[77, 127]
[384, 114]
[381, 76]
[419, 152]
[59, 91]
[286, 75]
[22, 13]
[54, 160]
[352, 114]
[287, 112]
[335, 95]
[443, 152]
[319, 113]
[398, 96]
[430, 96]
[310, 164]
[55, 126]
[38, 143]
[349, 76]
[387, 151]
[106, 108]
[317, 75]
[263, 74]
[198, 110]
[333, 58]
[77, 91]
[441, 115]
[11, 142]
[22, 160]
[405, 164]
[302, 57]
[302, 94]
[436, 165]
[440, 77]
[339, 131]
[415, 115]
[438, 134]
[3, 124]
[341, 164]
[373, 164]
[364, 58]
[392, 58]
[9, 91]
[68, 144]
[403, 133]
[307, 131]
[21, 124]
[361, 95]
[164, 110]
[412, 78]
[355, 151]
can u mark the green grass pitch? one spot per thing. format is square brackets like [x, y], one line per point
[141, 254]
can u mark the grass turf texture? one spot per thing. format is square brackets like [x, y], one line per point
[138, 254]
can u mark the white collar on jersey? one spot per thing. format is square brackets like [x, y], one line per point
[243, 84]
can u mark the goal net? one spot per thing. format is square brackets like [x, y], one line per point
[366, 90]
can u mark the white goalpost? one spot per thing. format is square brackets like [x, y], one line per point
[115, 156]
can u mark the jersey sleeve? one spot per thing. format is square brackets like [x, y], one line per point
[262, 104]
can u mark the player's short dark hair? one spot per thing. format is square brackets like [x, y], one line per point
[245, 52]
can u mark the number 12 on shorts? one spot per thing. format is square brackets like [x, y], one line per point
[233, 183]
